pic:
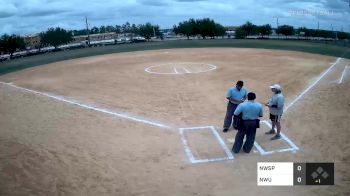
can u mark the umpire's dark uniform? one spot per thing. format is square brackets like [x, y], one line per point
[250, 111]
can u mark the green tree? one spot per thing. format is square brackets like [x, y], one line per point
[103, 29]
[94, 30]
[126, 28]
[148, 30]
[11, 43]
[110, 29]
[240, 33]
[2, 47]
[219, 30]
[285, 30]
[343, 35]
[187, 28]
[265, 30]
[250, 28]
[118, 29]
[55, 37]
[79, 32]
[304, 31]
[208, 27]
[326, 34]
[134, 29]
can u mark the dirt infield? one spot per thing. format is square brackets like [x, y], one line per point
[49, 147]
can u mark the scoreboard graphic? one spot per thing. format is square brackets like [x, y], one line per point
[290, 174]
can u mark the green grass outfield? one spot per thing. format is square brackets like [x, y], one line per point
[302, 46]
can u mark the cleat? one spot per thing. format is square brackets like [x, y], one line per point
[276, 137]
[271, 132]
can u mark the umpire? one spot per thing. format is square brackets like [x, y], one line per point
[251, 111]
[235, 96]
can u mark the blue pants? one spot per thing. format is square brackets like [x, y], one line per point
[229, 115]
[248, 130]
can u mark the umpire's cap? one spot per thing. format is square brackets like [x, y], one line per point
[276, 86]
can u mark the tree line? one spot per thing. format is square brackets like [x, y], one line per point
[58, 36]
[249, 29]
[203, 27]
[146, 30]
[193, 27]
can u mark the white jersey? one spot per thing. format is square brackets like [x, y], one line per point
[276, 104]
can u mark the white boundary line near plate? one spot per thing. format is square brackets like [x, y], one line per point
[301, 95]
[293, 146]
[211, 68]
[175, 71]
[342, 75]
[90, 107]
[192, 159]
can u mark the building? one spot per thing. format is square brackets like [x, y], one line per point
[231, 30]
[95, 37]
[32, 41]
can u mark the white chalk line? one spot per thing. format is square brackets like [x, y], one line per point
[301, 95]
[342, 75]
[90, 107]
[137, 119]
[149, 69]
[186, 70]
[175, 71]
[222, 143]
[293, 146]
[189, 154]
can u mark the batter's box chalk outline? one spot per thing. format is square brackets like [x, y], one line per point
[293, 147]
[189, 154]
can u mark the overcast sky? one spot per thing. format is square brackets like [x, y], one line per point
[31, 16]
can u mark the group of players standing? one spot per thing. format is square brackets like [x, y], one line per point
[246, 114]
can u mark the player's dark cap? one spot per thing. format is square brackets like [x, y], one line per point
[240, 83]
[251, 96]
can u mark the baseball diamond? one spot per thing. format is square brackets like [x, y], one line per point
[149, 122]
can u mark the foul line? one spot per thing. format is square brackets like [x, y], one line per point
[103, 110]
[342, 75]
[293, 146]
[175, 70]
[186, 70]
[312, 85]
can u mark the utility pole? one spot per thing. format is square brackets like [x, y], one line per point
[318, 30]
[278, 35]
[154, 32]
[87, 30]
[334, 33]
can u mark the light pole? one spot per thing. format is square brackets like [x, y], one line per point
[278, 35]
[87, 30]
